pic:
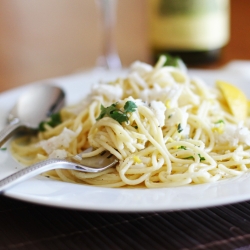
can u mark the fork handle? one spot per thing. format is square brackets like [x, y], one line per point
[30, 172]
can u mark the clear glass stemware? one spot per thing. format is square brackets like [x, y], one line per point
[109, 58]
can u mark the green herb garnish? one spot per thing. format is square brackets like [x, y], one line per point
[182, 147]
[173, 61]
[179, 128]
[3, 149]
[53, 121]
[117, 114]
[202, 158]
[129, 107]
[106, 111]
[191, 157]
[220, 121]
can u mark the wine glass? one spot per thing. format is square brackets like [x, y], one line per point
[109, 58]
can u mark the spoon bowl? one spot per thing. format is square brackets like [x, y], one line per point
[33, 107]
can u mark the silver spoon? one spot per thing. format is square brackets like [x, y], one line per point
[33, 107]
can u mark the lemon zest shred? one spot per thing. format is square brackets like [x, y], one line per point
[170, 139]
[167, 104]
[136, 159]
[219, 128]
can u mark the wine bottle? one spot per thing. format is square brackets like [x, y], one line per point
[194, 30]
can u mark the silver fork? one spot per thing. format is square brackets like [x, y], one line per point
[90, 165]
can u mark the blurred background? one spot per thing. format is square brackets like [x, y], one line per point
[47, 38]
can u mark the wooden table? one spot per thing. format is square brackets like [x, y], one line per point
[44, 38]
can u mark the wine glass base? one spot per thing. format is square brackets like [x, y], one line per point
[111, 61]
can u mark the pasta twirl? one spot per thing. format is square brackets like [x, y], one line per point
[166, 128]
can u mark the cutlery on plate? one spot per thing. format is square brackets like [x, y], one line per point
[33, 107]
[92, 164]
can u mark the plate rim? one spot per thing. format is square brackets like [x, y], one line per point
[62, 82]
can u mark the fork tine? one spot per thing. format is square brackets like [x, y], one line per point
[103, 160]
[106, 154]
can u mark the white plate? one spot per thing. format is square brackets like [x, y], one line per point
[45, 191]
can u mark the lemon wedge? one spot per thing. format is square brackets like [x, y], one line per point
[235, 99]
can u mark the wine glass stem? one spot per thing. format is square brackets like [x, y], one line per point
[109, 58]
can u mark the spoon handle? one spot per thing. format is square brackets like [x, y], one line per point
[8, 131]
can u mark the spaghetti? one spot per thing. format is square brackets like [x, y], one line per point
[166, 128]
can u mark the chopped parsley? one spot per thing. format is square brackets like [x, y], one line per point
[219, 122]
[53, 121]
[129, 106]
[173, 61]
[3, 149]
[179, 128]
[182, 147]
[117, 114]
[191, 157]
[202, 158]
